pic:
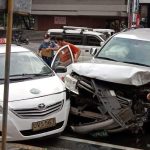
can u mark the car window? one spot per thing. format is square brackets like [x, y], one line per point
[92, 41]
[127, 50]
[74, 39]
[24, 63]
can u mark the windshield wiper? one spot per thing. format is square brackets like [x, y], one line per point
[135, 63]
[27, 76]
[107, 58]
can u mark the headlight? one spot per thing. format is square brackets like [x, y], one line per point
[70, 83]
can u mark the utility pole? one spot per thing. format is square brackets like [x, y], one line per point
[133, 13]
[7, 69]
[10, 6]
[129, 12]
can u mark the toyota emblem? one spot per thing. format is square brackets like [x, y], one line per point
[41, 106]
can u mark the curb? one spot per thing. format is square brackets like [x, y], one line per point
[14, 146]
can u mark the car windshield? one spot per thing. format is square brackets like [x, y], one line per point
[127, 51]
[24, 63]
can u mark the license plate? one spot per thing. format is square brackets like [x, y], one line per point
[44, 124]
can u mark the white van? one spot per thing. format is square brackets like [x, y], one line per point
[81, 37]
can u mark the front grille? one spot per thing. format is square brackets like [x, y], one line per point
[37, 112]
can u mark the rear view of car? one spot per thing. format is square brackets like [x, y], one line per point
[38, 101]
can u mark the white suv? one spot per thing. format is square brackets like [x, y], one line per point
[113, 88]
[81, 37]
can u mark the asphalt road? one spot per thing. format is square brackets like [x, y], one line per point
[71, 141]
[34, 45]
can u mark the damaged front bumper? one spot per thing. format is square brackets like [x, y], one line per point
[96, 107]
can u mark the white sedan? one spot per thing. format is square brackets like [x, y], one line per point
[38, 100]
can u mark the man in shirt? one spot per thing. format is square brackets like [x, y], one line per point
[75, 50]
[47, 49]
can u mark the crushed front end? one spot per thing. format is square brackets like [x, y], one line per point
[98, 105]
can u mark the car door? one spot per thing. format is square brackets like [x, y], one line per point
[77, 40]
[62, 59]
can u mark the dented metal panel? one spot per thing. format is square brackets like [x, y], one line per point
[115, 72]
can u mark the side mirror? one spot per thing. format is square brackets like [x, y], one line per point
[60, 69]
[93, 51]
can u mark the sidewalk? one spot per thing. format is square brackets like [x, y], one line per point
[14, 146]
[34, 35]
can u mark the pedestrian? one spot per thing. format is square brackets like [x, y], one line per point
[75, 50]
[47, 48]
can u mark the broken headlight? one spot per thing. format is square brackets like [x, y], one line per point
[70, 83]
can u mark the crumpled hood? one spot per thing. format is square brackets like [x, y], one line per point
[33, 88]
[115, 72]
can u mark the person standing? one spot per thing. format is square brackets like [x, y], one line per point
[75, 50]
[47, 48]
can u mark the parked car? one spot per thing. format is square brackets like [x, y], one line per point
[111, 92]
[81, 37]
[38, 101]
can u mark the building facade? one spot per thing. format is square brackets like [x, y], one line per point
[145, 12]
[89, 13]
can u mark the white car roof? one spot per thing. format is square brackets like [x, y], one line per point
[14, 48]
[104, 30]
[137, 34]
[73, 31]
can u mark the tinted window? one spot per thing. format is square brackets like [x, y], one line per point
[74, 39]
[92, 41]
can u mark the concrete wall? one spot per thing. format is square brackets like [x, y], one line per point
[79, 2]
[79, 7]
[90, 13]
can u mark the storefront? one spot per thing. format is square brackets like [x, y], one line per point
[145, 13]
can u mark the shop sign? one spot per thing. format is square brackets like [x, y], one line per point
[60, 20]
